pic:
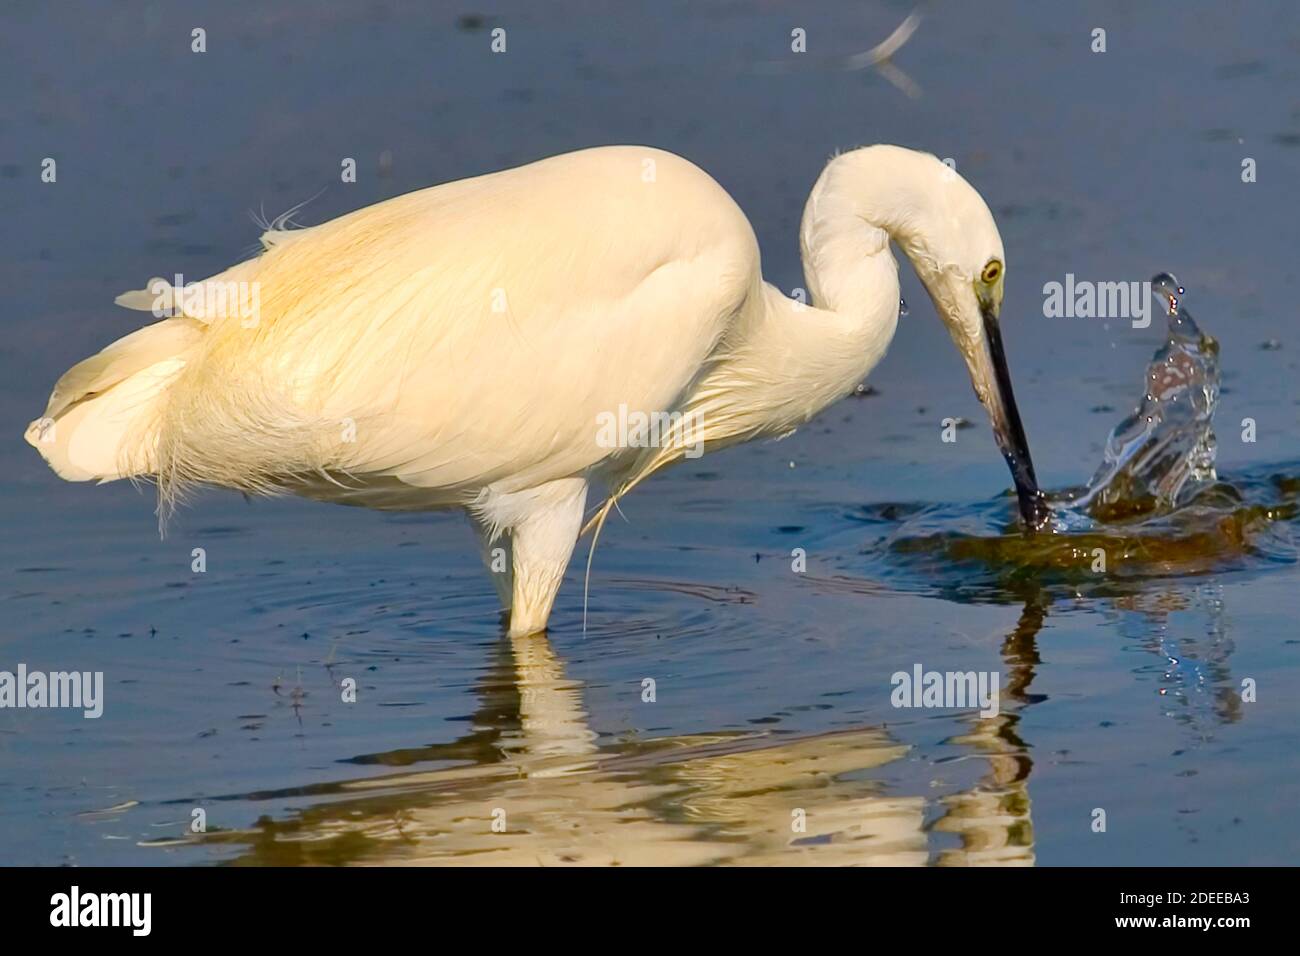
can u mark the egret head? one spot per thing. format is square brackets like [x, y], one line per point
[947, 231]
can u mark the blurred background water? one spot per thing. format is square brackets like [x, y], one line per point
[1120, 691]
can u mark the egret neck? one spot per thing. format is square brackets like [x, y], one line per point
[864, 199]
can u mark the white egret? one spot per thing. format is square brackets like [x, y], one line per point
[459, 346]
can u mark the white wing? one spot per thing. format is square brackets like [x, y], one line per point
[468, 333]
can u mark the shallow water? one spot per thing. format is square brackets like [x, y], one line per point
[1120, 690]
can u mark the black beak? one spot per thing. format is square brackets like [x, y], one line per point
[1009, 431]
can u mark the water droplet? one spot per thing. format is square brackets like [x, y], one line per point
[1165, 287]
[902, 306]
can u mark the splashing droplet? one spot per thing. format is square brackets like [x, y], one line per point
[1165, 287]
[902, 306]
[1163, 453]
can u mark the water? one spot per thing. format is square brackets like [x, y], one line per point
[1162, 455]
[1122, 689]
[1154, 508]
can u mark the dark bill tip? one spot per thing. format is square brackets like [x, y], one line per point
[1010, 432]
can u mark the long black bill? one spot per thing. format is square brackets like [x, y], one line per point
[1010, 433]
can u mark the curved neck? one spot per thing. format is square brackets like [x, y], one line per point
[790, 359]
[849, 268]
[861, 201]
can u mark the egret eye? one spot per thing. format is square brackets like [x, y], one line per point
[991, 272]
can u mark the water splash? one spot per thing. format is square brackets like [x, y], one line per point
[1155, 507]
[1162, 455]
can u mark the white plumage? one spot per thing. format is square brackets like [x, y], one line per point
[457, 346]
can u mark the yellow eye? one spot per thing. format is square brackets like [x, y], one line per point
[991, 272]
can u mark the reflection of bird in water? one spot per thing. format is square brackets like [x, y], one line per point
[743, 799]
[993, 818]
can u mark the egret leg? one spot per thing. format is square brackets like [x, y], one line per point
[544, 529]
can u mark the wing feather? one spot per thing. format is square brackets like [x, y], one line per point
[471, 333]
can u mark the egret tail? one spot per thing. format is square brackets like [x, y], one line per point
[101, 422]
